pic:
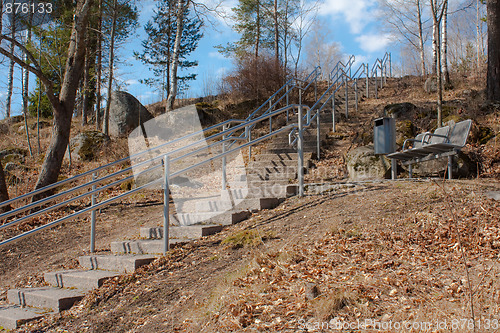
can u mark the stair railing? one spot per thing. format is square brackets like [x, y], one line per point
[231, 131]
[98, 185]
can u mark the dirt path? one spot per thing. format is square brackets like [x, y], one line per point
[391, 251]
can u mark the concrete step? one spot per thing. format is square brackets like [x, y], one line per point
[283, 145]
[278, 163]
[50, 298]
[81, 279]
[252, 204]
[13, 316]
[117, 263]
[265, 176]
[266, 191]
[181, 232]
[145, 246]
[281, 156]
[221, 218]
[289, 150]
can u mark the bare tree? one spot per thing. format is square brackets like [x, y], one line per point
[444, 45]
[406, 20]
[437, 10]
[181, 8]
[320, 51]
[62, 103]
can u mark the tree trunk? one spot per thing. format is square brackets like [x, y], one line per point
[276, 33]
[493, 74]
[86, 88]
[110, 65]
[444, 45]
[99, 71]
[421, 39]
[64, 105]
[10, 84]
[181, 6]
[26, 80]
[257, 37]
[4, 192]
[435, 37]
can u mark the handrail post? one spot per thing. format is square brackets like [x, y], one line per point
[300, 146]
[346, 98]
[224, 173]
[390, 64]
[382, 76]
[287, 103]
[166, 212]
[333, 111]
[270, 118]
[356, 92]
[300, 151]
[93, 216]
[249, 147]
[367, 80]
[318, 135]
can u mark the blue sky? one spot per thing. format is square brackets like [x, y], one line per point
[353, 24]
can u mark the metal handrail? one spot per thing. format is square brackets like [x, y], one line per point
[228, 134]
[109, 165]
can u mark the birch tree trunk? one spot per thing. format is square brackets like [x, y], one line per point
[421, 39]
[444, 44]
[181, 6]
[99, 71]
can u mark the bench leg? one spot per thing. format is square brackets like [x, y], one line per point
[394, 169]
[450, 167]
[410, 171]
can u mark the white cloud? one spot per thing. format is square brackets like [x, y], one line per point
[216, 55]
[221, 72]
[374, 42]
[131, 82]
[358, 13]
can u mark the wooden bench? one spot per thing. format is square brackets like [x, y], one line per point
[444, 142]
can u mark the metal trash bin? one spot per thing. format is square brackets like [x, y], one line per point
[384, 136]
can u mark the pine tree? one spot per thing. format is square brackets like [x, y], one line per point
[158, 48]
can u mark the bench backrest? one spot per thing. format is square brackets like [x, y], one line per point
[443, 135]
[460, 132]
[418, 140]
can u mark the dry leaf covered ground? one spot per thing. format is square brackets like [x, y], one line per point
[414, 253]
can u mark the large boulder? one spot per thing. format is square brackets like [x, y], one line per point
[363, 164]
[126, 113]
[399, 110]
[430, 85]
[85, 145]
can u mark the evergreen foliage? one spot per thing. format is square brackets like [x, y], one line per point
[158, 47]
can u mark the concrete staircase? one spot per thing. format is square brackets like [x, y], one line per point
[65, 288]
[265, 182]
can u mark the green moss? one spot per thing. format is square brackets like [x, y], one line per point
[454, 117]
[485, 134]
[245, 238]
[127, 186]
[407, 130]
[448, 110]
